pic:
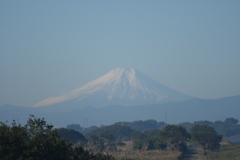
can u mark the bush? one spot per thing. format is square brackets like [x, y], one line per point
[206, 136]
[175, 137]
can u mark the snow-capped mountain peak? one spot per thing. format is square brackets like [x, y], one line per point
[120, 86]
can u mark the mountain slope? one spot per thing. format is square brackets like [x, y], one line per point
[121, 86]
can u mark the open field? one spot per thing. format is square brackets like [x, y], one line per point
[146, 155]
[126, 153]
[234, 139]
[225, 153]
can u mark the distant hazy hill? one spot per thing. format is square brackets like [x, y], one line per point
[174, 112]
[121, 86]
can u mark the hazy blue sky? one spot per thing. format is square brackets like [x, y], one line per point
[49, 47]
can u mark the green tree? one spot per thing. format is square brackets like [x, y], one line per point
[95, 143]
[153, 143]
[203, 122]
[35, 141]
[109, 141]
[152, 133]
[175, 137]
[78, 153]
[231, 121]
[38, 141]
[206, 136]
[143, 125]
[13, 141]
[121, 133]
[72, 136]
[45, 144]
[137, 139]
[148, 140]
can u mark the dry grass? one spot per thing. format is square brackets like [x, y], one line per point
[146, 155]
[126, 152]
[230, 152]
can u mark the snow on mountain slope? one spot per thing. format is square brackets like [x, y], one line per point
[120, 86]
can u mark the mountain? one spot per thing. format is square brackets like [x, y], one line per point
[172, 112]
[120, 86]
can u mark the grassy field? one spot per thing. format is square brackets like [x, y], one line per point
[234, 139]
[231, 152]
[146, 155]
[126, 153]
[226, 152]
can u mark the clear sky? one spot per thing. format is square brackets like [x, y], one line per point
[51, 47]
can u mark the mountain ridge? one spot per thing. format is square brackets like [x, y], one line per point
[185, 111]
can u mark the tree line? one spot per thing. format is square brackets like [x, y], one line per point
[149, 134]
[176, 137]
[170, 137]
[228, 127]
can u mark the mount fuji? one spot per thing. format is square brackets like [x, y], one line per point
[120, 86]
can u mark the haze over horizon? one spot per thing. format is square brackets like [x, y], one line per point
[52, 47]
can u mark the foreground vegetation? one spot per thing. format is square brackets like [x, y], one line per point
[38, 140]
